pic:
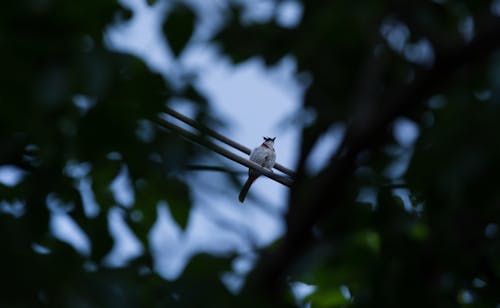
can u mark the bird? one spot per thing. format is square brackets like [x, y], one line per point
[265, 156]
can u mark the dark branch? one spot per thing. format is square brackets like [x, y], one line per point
[328, 190]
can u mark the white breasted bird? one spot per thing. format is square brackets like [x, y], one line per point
[263, 155]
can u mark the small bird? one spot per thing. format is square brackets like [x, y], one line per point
[263, 155]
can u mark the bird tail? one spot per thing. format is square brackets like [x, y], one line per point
[246, 187]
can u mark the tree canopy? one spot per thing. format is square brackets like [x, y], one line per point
[428, 239]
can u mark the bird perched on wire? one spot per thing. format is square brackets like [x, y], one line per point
[265, 156]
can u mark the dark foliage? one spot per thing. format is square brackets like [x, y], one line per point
[67, 99]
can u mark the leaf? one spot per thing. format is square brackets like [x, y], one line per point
[179, 201]
[328, 298]
[102, 177]
[140, 219]
[178, 27]
[149, 192]
[201, 281]
[97, 230]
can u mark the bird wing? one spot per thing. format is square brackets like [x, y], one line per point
[258, 156]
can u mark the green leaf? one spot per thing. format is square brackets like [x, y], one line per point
[97, 230]
[369, 239]
[179, 201]
[419, 231]
[150, 192]
[328, 298]
[102, 177]
[140, 219]
[201, 282]
[178, 27]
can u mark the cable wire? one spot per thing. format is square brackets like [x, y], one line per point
[285, 180]
[220, 137]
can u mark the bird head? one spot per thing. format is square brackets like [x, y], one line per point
[269, 140]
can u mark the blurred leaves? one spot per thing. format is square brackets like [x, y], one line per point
[398, 251]
[202, 276]
[425, 237]
[328, 298]
[179, 201]
[67, 99]
[179, 27]
[175, 192]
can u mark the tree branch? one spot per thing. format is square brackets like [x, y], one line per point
[328, 190]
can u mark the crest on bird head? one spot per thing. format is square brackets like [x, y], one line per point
[269, 139]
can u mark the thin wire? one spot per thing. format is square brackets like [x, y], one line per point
[220, 137]
[285, 180]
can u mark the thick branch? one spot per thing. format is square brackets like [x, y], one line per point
[328, 190]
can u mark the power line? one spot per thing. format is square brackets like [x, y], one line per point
[220, 137]
[285, 180]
